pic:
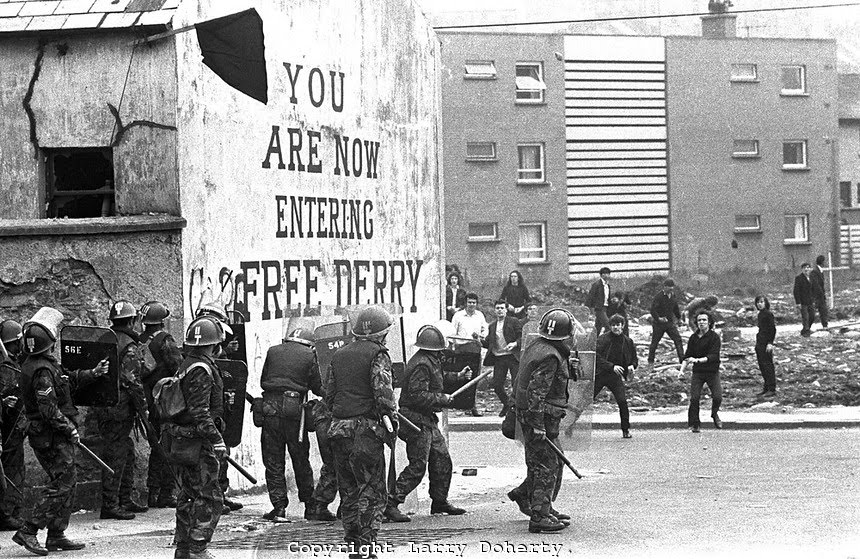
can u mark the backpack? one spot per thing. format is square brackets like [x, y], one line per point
[167, 393]
[147, 359]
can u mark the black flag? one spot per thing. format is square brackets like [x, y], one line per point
[232, 47]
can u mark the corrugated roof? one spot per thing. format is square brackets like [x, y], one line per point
[50, 15]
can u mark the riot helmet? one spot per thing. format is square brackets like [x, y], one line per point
[304, 336]
[430, 338]
[372, 322]
[154, 312]
[10, 331]
[120, 310]
[213, 309]
[36, 339]
[204, 331]
[556, 324]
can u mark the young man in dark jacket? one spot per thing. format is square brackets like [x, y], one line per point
[616, 359]
[664, 314]
[764, 346]
[803, 298]
[703, 353]
[503, 344]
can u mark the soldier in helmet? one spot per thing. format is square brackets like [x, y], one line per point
[422, 396]
[47, 393]
[360, 395]
[289, 371]
[12, 422]
[225, 348]
[164, 361]
[541, 398]
[195, 445]
[116, 422]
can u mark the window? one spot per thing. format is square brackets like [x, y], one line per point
[532, 242]
[744, 73]
[794, 154]
[745, 148]
[793, 80]
[530, 163]
[845, 195]
[480, 70]
[79, 182]
[530, 86]
[480, 151]
[483, 232]
[747, 223]
[796, 228]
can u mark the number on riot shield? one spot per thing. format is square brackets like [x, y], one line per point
[82, 347]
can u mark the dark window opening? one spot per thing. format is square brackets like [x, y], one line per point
[79, 182]
[845, 194]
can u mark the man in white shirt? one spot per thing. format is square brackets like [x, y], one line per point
[470, 323]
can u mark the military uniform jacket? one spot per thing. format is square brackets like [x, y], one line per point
[541, 384]
[422, 394]
[167, 356]
[47, 393]
[291, 366]
[10, 385]
[202, 396]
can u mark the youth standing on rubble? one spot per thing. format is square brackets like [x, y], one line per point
[703, 353]
[422, 396]
[616, 358]
[664, 314]
[289, 371]
[47, 389]
[541, 399]
[764, 346]
[167, 357]
[12, 422]
[360, 395]
[116, 422]
[196, 447]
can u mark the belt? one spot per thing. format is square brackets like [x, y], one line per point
[287, 393]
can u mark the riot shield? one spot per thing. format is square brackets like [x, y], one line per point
[328, 339]
[235, 376]
[82, 347]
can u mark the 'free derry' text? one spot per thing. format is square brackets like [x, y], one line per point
[539, 549]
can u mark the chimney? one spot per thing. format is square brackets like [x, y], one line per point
[719, 26]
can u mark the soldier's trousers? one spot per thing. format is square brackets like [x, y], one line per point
[119, 455]
[360, 465]
[200, 499]
[280, 436]
[326, 489]
[159, 479]
[54, 506]
[425, 450]
[544, 470]
[13, 465]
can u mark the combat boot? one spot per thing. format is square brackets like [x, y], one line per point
[29, 542]
[197, 550]
[521, 501]
[116, 514]
[444, 507]
[560, 515]
[323, 514]
[276, 513]
[59, 542]
[539, 524]
[131, 506]
[393, 514]
[181, 551]
[233, 505]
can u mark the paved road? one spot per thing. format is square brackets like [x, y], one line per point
[780, 493]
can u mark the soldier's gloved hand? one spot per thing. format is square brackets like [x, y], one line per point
[10, 401]
[540, 434]
[102, 368]
[220, 450]
[76, 438]
[219, 424]
[446, 399]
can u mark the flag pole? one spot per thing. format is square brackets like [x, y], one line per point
[171, 33]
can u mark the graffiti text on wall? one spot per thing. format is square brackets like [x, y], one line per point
[352, 156]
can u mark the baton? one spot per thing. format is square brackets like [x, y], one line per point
[8, 482]
[407, 423]
[470, 384]
[302, 419]
[563, 458]
[93, 455]
[242, 470]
